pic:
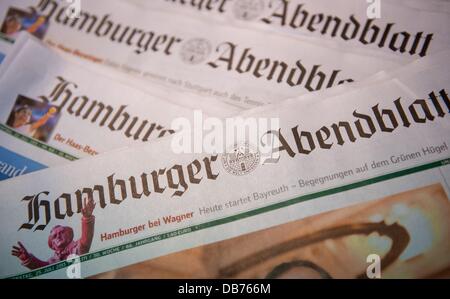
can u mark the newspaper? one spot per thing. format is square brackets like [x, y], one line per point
[384, 26]
[400, 230]
[66, 112]
[186, 99]
[169, 202]
[237, 65]
[412, 69]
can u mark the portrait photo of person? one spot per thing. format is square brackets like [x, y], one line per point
[17, 20]
[61, 241]
[32, 118]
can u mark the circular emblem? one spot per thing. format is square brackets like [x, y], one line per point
[241, 160]
[248, 10]
[195, 50]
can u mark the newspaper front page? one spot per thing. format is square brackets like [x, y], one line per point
[403, 28]
[57, 112]
[167, 202]
[241, 66]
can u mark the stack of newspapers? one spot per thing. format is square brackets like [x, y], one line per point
[224, 139]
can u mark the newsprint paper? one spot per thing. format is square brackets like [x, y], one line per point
[241, 66]
[398, 27]
[136, 204]
[57, 111]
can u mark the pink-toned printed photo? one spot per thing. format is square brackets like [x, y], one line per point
[61, 241]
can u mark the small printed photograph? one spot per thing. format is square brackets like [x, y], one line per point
[17, 20]
[32, 118]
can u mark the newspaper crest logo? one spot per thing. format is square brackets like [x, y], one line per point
[248, 10]
[195, 50]
[241, 159]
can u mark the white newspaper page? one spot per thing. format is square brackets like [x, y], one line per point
[141, 203]
[245, 67]
[56, 112]
[175, 95]
[404, 28]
